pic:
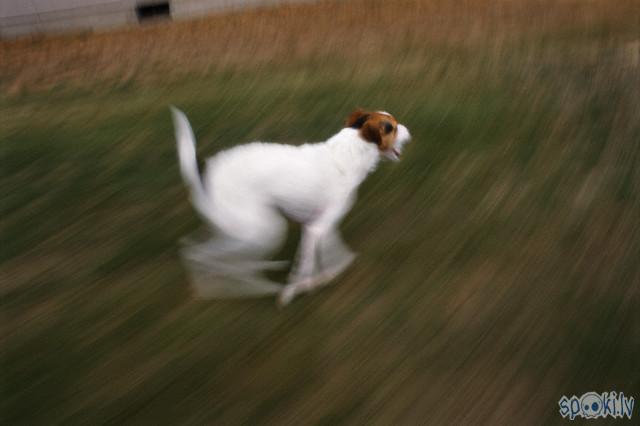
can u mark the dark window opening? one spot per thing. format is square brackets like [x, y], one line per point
[153, 11]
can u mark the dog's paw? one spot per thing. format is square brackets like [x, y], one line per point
[286, 295]
[295, 287]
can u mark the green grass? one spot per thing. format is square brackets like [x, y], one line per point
[498, 262]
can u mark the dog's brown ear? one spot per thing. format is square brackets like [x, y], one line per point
[357, 118]
[371, 132]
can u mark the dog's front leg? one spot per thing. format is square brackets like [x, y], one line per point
[302, 278]
[333, 257]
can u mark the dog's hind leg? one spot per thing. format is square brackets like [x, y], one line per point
[234, 255]
[212, 283]
[232, 266]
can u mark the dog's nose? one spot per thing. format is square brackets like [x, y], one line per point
[403, 133]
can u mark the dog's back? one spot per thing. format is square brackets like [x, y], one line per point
[290, 178]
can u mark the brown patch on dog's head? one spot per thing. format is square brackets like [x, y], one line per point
[377, 127]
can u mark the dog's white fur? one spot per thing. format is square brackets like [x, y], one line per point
[245, 191]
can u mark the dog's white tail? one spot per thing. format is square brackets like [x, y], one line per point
[189, 164]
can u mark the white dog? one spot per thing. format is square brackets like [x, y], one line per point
[246, 190]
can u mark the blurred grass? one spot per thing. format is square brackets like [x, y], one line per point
[498, 265]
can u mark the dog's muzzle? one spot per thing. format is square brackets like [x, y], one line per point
[402, 138]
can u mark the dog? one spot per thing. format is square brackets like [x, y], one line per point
[246, 192]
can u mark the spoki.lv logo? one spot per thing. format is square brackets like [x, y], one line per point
[592, 405]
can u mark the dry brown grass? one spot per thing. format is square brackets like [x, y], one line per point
[360, 30]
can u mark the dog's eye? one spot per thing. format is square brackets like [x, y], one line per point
[388, 127]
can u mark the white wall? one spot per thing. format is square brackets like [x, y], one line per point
[188, 8]
[19, 17]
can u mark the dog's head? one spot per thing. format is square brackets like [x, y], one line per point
[382, 129]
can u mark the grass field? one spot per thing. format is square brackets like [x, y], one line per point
[499, 262]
